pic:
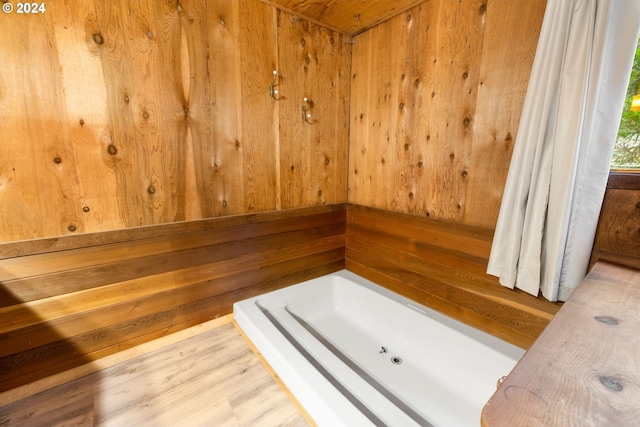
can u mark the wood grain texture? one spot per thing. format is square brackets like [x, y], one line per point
[211, 378]
[427, 86]
[442, 265]
[508, 49]
[64, 307]
[348, 16]
[618, 234]
[119, 115]
[583, 368]
[312, 169]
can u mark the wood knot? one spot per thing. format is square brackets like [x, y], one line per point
[224, 203]
[319, 193]
[611, 383]
[638, 205]
[72, 228]
[607, 320]
[85, 209]
[111, 149]
[483, 9]
[149, 34]
[465, 75]
[326, 161]
[411, 195]
[466, 121]
[57, 160]
[406, 147]
[401, 106]
[97, 38]
[126, 99]
[420, 164]
[464, 174]
[151, 189]
[81, 122]
[145, 114]
[303, 41]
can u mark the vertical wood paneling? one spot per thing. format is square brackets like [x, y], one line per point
[88, 126]
[119, 114]
[106, 38]
[313, 154]
[456, 64]
[258, 56]
[38, 167]
[418, 110]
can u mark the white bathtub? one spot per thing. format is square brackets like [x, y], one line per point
[356, 354]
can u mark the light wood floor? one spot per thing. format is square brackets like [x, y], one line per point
[210, 379]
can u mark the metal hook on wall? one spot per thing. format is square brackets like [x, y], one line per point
[273, 92]
[306, 111]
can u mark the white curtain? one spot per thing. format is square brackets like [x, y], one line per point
[560, 163]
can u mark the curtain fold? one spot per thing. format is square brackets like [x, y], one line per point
[560, 163]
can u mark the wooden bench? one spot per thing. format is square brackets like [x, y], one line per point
[584, 369]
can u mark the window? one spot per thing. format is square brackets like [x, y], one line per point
[626, 153]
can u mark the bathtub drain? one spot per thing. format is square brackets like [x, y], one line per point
[396, 360]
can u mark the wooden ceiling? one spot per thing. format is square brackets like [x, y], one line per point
[347, 16]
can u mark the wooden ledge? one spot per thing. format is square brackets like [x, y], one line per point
[583, 369]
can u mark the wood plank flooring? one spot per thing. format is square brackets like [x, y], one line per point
[210, 379]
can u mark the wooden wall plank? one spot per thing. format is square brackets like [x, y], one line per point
[314, 63]
[258, 56]
[456, 59]
[69, 242]
[104, 36]
[205, 258]
[359, 187]
[504, 77]
[36, 146]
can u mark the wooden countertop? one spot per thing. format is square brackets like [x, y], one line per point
[584, 369]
